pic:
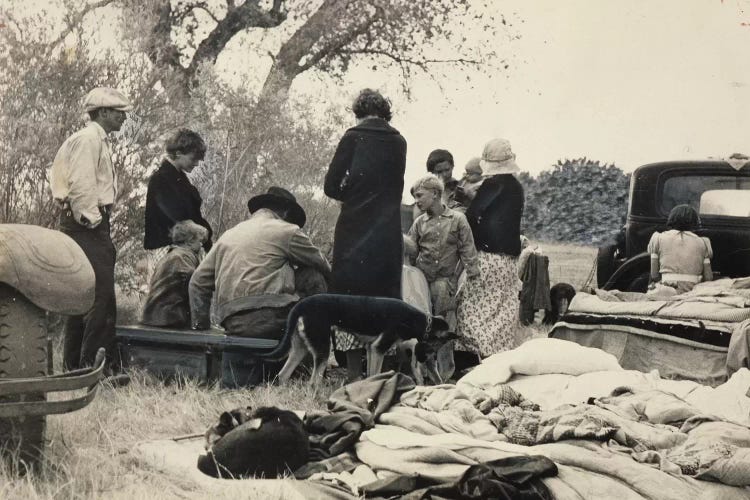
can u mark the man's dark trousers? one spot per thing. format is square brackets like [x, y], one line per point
[85, 334]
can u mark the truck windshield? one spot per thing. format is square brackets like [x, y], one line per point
[689, 190]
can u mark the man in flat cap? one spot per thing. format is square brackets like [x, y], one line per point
[84, 182]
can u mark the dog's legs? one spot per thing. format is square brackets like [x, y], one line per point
[375, 357]
[318, 372]
[297, 354]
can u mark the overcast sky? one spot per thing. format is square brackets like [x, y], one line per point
[624, 82]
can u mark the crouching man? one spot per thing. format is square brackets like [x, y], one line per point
[251, 269]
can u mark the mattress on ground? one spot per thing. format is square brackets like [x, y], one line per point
[178, 459]
[677, 349]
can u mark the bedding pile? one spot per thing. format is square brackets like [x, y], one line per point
[611, 433]
[701, 335]
[548, 420]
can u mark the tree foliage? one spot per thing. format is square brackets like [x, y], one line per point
[182, 37]
[577, 201]
[162, 53]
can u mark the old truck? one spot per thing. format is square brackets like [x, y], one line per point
[41, 270]
[718, 189]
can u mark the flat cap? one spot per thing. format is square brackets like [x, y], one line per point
[105, 97]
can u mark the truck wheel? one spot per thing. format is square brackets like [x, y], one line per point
[639, 284]
[23, 353]
[605, 264]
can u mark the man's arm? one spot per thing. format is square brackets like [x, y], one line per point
[83, 196]
[466, 249]
[303, 252]
[201, 287]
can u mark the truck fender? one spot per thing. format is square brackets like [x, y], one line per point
[628, 271]
[47, 267]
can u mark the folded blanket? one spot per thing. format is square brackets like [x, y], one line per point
[462, 419]
[536, 357]
[718, 302]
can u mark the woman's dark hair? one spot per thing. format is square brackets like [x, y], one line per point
[683, 218]
[186, 141]
[438, 156]
[372, 103]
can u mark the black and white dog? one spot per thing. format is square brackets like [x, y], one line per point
[266, 442]
[378, 322]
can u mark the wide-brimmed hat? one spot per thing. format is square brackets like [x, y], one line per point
[277, 197]
[498, 158]
[105, 97]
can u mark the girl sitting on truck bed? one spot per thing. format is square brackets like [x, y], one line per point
[679, 257]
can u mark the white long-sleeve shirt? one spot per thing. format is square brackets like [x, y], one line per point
[83, 175]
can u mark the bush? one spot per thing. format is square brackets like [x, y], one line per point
[577, 201]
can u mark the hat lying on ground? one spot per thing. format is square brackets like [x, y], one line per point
[105, 97]
[498, 158]
[277, 197]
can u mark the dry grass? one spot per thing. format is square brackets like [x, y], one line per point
[89, 456]
[569, 263]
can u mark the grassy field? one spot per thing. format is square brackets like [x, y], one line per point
[89, 452]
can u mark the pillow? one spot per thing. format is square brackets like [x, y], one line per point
[540, 356]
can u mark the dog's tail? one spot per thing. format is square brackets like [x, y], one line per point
[281, 350]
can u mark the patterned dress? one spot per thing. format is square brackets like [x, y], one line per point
[487, 314]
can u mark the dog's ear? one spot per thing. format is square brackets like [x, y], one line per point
[439, 324]
[227, 420]
[421, 351]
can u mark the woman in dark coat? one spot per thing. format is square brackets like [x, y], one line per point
[171, 197]
[488, 305]
[367, 176]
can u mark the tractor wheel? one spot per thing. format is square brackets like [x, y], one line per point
[23, 354]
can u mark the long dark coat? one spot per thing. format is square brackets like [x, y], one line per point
[171, 198]
[495, 215]
[367, 175]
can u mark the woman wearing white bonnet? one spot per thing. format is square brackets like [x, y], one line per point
[488, 305]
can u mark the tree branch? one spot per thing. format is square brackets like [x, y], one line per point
[421, 63]
[247, 15]
[74, 20]
[205, 9]
[286, 65]
[161, 51]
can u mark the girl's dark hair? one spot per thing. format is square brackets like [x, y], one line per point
[683, 218]
[372, 103]
[186, 141]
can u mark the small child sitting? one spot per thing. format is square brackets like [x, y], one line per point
[168, 303]
[679, 258]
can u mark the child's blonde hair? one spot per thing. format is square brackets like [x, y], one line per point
[429, 181]
[186, 232]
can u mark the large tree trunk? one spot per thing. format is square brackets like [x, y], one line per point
[320, 36]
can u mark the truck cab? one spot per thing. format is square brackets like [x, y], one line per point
[718, 189]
